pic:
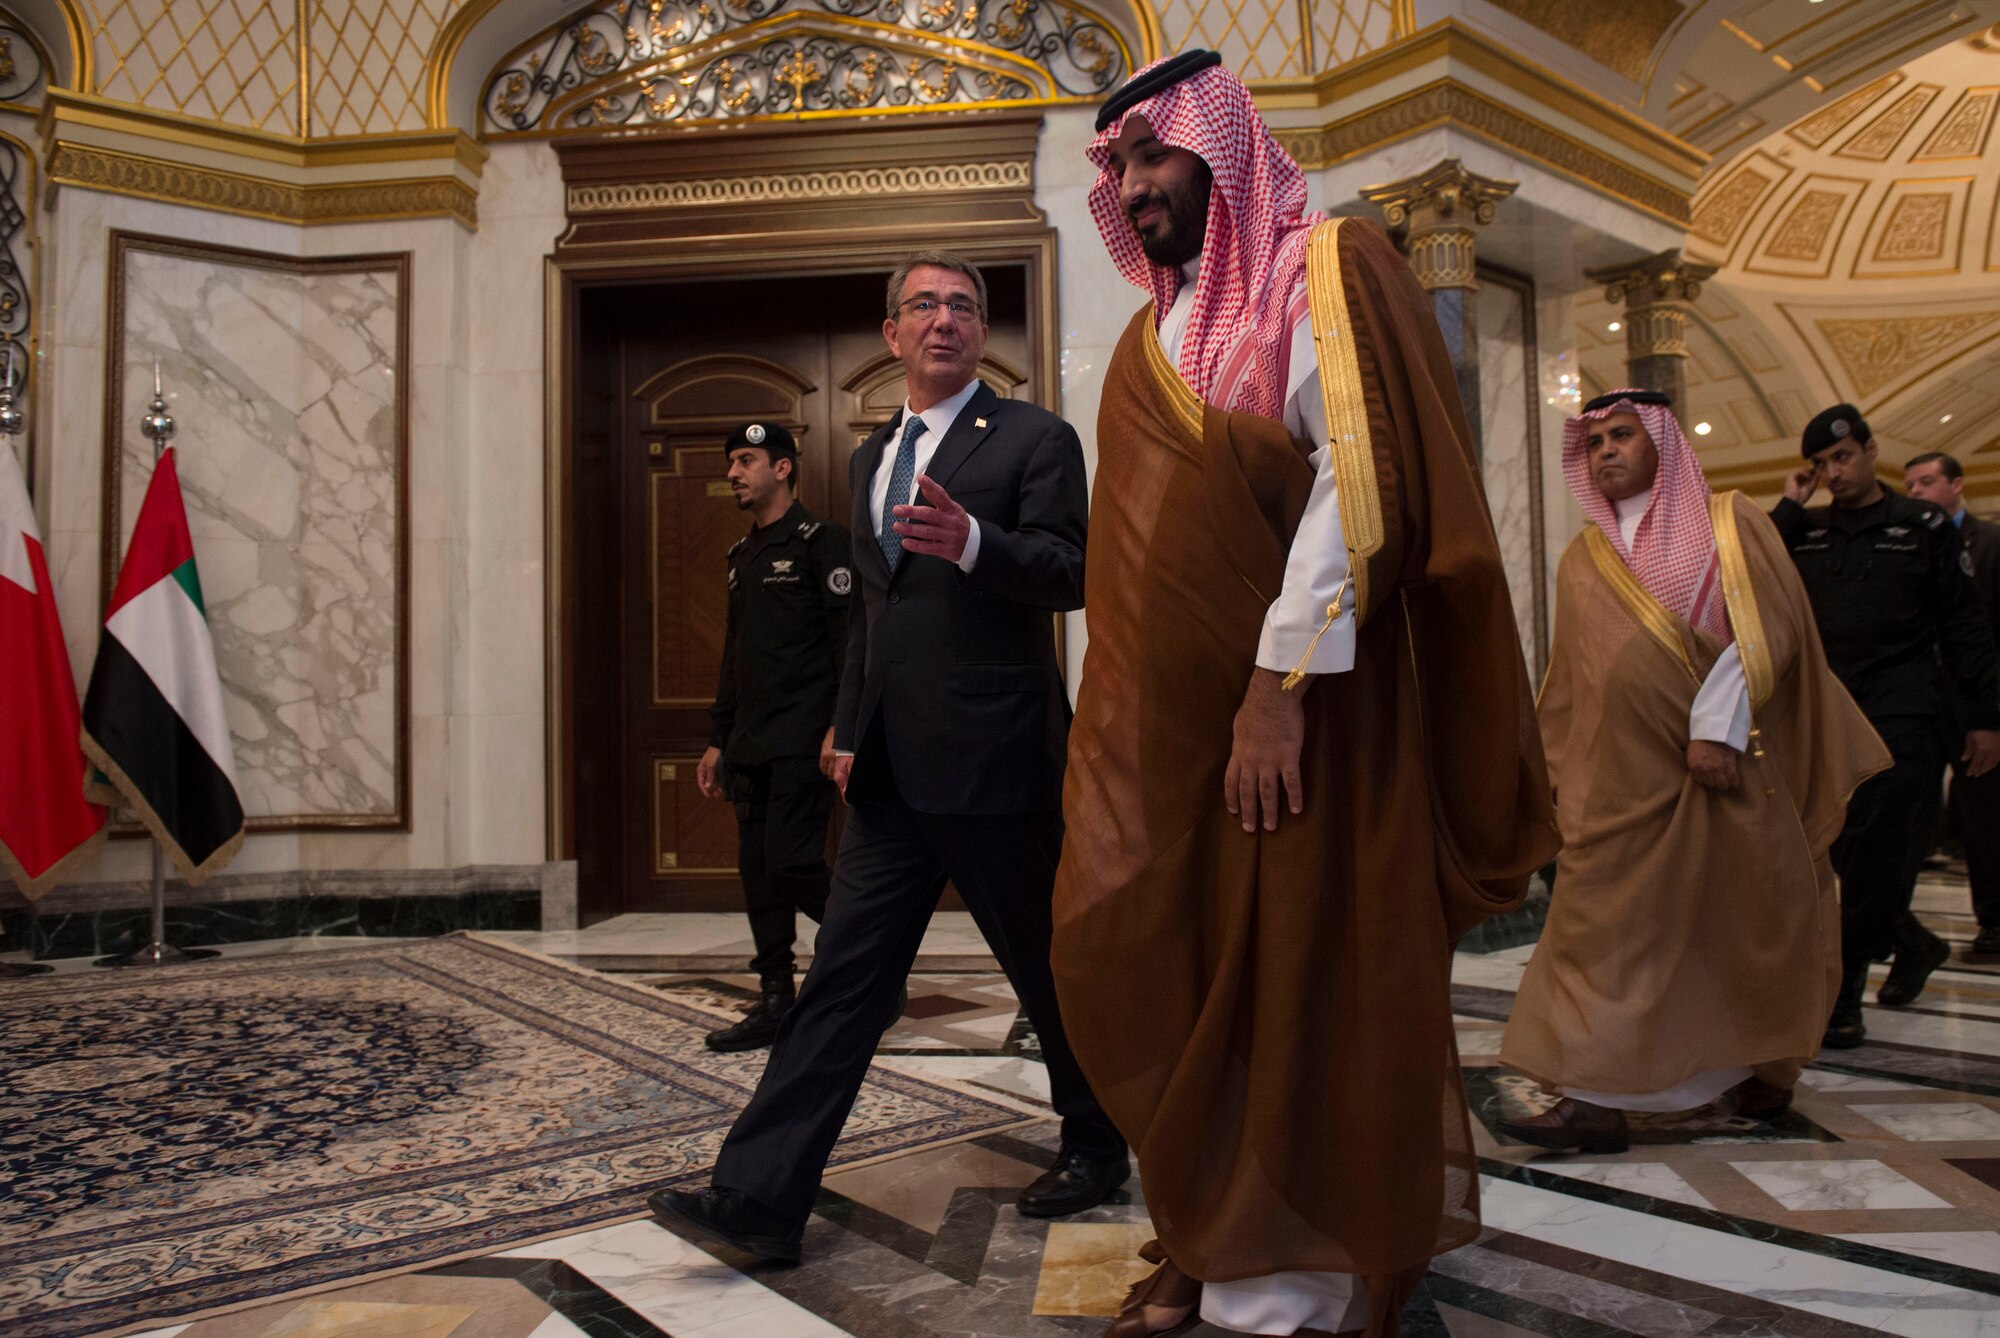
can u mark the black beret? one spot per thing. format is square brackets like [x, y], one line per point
[1830, 427]
[767, 436]
[1633, 396]
[1142, 86]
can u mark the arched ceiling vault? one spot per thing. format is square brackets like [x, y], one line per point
[1858, 255]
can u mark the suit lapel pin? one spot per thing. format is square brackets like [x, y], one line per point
[979, 422]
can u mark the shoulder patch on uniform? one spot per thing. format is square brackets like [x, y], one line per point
[809, 529]
[1934, 517]
[737, 547]
[840, 580]
[732, 578]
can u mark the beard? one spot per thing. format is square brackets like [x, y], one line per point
[1179, 238]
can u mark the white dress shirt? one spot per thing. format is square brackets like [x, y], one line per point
[1721, 711]
[1317, 562]
[937, 421]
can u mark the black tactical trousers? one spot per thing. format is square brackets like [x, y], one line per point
[1878, 852]
[782, 809]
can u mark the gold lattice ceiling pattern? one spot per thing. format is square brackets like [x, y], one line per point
[233, 61]
[1272, 39]
[237, 61]
[369, 62]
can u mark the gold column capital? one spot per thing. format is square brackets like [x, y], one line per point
[1440, 210]
[1656, 293]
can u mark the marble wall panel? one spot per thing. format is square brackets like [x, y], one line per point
[287, 381]
[1510, 453]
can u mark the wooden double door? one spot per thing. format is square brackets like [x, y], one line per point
[663, 372]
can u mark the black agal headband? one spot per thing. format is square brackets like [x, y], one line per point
[1144, 85]
[1630, 397]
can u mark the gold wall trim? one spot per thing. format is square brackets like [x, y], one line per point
[1451, 43]
[228, 192]
[66, 109]
[854, 183]
[1448, 102]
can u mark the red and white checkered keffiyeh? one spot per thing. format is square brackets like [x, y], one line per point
[1251, 292]
[1673, 551]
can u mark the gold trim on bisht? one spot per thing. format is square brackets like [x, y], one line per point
[1348, 442]
[1745, 619]
[1650, 612]
[1181, 399]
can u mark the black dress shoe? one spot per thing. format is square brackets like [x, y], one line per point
[1912, 970]
[758, 1027]
[1074, 1183]
[728, 1217]
[1572, 1126]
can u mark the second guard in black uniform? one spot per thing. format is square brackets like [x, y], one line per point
[771, 745]
[1891, 595]
[1975, 795]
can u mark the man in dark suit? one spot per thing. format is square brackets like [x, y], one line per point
[949, 741]
[1975, 800]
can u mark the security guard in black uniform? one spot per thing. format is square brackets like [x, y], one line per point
[1891, 593]
[771, 746]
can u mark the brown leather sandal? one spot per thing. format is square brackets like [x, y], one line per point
[1165, 1287]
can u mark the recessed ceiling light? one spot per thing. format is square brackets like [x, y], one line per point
[1614, 327]
[1702, 429]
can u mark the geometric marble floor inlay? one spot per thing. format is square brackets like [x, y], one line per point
[1873, 1207]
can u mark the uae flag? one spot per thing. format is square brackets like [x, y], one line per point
[152, 718]
[46, 825]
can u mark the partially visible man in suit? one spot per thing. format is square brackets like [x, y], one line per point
[1975, 800]
[949, 742]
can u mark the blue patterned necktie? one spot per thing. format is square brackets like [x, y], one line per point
[901, 479]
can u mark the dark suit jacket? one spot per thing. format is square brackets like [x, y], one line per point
[1982, 542]
[1982, 549]
[950, 694]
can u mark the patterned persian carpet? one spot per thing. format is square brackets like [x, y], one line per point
[179, 1142]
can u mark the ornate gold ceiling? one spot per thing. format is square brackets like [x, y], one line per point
[1859, 259]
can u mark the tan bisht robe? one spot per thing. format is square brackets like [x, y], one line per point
[1266, 1017]
[1692, 929]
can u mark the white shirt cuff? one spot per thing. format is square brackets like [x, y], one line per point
[971, 553]
[1315, 573]
[1721, 711]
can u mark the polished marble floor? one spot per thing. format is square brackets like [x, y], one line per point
[1875, 1207]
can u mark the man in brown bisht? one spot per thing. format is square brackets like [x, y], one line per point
[1703, 754]
[1304, 760]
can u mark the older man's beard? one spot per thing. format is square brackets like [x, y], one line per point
[1187, 226]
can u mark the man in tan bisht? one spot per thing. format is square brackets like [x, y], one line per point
[1703, 754]
[1304, 760]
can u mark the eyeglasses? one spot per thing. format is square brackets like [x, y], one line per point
[923, 308]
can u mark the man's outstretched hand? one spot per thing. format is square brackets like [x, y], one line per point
[1270, 732]
[938, 530]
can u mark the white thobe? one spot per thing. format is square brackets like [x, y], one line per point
[1721, 714]
[1283, 1303]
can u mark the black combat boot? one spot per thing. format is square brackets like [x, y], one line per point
[759, 1026]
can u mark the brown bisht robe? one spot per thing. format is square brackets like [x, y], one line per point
[1691, 929]
[1266, 1017]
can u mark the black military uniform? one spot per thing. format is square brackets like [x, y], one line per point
[789, 587]
[1890, 593]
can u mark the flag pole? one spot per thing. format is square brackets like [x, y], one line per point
[11, 422]
[158, 426]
